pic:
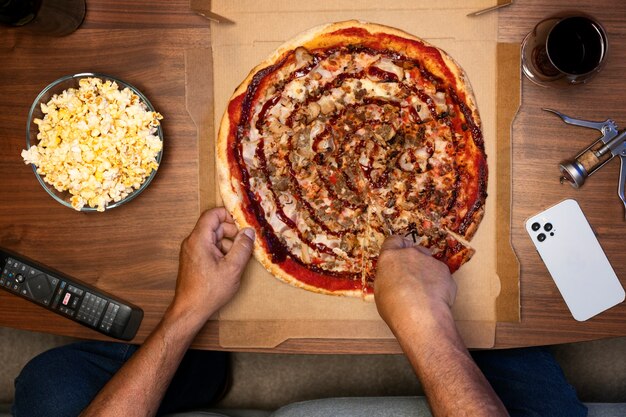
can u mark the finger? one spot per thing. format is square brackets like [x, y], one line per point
[229, 218]
[422, 249]
[225, 245]
[396, 242]
[210, 221]
[229, 230]
[240, 252]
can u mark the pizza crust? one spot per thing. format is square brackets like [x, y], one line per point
[230, 185]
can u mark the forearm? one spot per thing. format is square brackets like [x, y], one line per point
[139, 386]
[451, 380]
[212, 259]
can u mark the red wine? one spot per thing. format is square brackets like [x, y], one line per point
[576, 45]
[18, 12]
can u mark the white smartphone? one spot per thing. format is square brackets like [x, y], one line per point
[569, 248]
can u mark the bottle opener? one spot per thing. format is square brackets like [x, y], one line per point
[612, 143]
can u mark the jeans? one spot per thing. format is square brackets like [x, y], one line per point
[62, 381]
[530, 383]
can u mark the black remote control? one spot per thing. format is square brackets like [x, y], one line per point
[68, 296]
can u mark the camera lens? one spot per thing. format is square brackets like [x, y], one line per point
[536, 226]
[547, 227]
[541, 237]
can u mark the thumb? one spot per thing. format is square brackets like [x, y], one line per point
[396, 242]
[240, 252]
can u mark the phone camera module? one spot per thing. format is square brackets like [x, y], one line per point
[535, 226]
[541, 237]
[547, 227]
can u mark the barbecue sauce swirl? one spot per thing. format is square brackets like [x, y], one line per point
[338, 172]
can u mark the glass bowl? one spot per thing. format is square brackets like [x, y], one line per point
[57, 87]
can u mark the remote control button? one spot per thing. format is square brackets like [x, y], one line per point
[75, 290]
[19, 278]
[57, 298]
[101, 309]
[66, 298]
[39, 287]
[2, 280]
[32, 272]
[5, 272]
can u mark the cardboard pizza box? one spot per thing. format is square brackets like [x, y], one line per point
[266, 312]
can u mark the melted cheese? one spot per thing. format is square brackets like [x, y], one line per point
[313, 120]
[296, 89]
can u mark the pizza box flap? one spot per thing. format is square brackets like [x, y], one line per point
[267, 312]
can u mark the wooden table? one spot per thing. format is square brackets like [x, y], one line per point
[133, 251]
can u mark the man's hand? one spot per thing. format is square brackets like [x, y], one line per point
[212, 259]
[414, 293]
[410, 282]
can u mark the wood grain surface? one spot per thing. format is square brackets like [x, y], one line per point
[132, 251]
[540, 142]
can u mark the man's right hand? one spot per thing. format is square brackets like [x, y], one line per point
[212, 259]
[414, 293]
[411, 283]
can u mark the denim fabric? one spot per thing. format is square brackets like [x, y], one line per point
[530, 382]
[62, 381]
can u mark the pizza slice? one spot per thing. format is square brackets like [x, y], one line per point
[445, 246]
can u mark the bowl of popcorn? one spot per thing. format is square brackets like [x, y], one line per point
[94, 142]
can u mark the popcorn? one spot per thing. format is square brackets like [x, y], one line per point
[98, 143]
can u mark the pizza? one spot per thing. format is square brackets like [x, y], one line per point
[346, 134]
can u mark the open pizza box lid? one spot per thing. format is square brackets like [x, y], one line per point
[266, 312]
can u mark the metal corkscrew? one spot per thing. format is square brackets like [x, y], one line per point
[612, 143]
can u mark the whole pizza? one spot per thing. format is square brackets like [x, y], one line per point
[346, 134]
